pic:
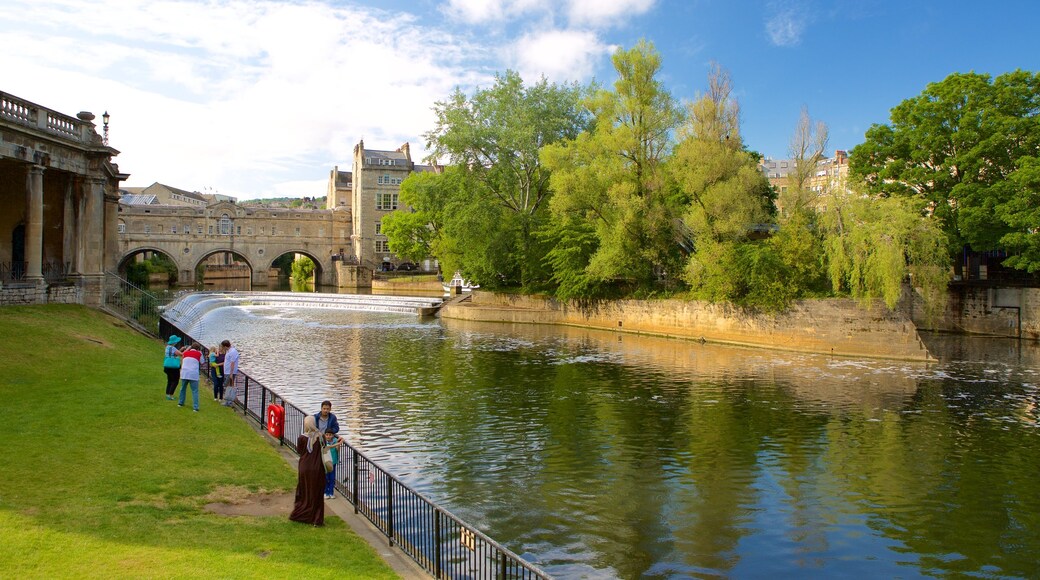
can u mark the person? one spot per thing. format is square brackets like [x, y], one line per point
[230, 370]
[190, 365]
[332, 443]
[172, 365]
[325, 419]
[309, 507]
[216, 372]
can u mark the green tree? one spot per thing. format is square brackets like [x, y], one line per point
[723, 197]
[954, 146]
[302, 270]
[874, 244]
[612, 178]
[494, 137]
[1021, 212]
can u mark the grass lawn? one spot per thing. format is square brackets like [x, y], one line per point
[101, 476]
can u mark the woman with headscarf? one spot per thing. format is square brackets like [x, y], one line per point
[172, 365]
[310, 485]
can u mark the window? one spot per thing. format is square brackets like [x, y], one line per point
[225, 225]
[379, 228]
[122, 228]
[382, 247]
[187, 229]
[385, 179]
[249, 231]
[297, 230]
[386, 201]
[211, 230]
[147, 228]
[199, 232]
[261, 230]
[173, 229]
[238, 230]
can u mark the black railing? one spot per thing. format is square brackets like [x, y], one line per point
[439, 542]
[52, 271]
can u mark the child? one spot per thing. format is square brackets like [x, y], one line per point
[216, 372]
[332, 444]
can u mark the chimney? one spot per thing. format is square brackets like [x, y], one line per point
[405, 149]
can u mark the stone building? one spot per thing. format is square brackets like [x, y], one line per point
[59, 189]
[831, 173]
[375, 185]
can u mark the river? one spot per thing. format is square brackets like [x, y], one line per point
[604, 455]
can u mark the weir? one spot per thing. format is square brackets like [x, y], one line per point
[187, 311]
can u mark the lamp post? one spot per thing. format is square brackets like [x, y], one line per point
[104, 119]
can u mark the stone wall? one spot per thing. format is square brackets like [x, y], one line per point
[996, 311]
[40, 294]
[839, 327]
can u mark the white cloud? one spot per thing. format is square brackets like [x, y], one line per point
[787, 23]
[560, 55]
[605, 12]
[487, 11]
[238, 96]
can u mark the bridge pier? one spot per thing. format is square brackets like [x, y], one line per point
[351, 276]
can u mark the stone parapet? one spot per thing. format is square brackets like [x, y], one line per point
[838, 327]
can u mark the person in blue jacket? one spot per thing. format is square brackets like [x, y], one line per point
[325, 419]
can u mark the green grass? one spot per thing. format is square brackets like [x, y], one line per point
[100, 475]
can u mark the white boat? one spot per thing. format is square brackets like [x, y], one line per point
[458, 284]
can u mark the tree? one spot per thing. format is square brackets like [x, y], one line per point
[806, 149]
[1021, 212]
[955, 146]
[494, 139]
[874, 244]
[723, 197]
[611, 177]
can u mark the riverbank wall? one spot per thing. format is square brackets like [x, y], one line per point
[1006, 311]
[837, 327]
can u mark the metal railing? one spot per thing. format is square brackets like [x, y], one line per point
[134, 304]
[53, 271]
[442, 544]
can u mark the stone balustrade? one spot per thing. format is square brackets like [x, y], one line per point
[31, 115]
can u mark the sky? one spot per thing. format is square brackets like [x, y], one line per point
[257, 99]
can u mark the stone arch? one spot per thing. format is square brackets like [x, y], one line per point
[320, 268]
[229, 270]
[125, 259]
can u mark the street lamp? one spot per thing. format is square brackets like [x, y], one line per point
[104, 119]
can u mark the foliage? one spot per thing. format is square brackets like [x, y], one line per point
[955, 146]
[873, 244]
[302, 270]
[138, 273]
[493, 139]
[1021, 212]
[133, 471]
[611, 178]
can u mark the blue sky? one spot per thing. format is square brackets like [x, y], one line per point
[259, 98]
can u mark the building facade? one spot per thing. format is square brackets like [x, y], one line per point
[59, 189]
[375, 192]
[831, 174]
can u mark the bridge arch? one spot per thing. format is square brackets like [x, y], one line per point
[225, 271]
[320, 268]
[128, 258]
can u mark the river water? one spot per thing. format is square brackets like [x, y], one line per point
[603, 455]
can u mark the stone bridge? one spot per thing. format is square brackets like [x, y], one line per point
[256, 236]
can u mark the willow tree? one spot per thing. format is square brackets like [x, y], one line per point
[494, 137]
[806, 149]
[874, 244]
[611, 220]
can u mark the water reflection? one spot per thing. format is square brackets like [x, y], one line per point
[600, 455]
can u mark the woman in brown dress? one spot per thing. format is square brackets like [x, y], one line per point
[310, 485]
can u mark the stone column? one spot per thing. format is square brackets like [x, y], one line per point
[81, 233]
[70, 235]
[93, 220]
[34, 226]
